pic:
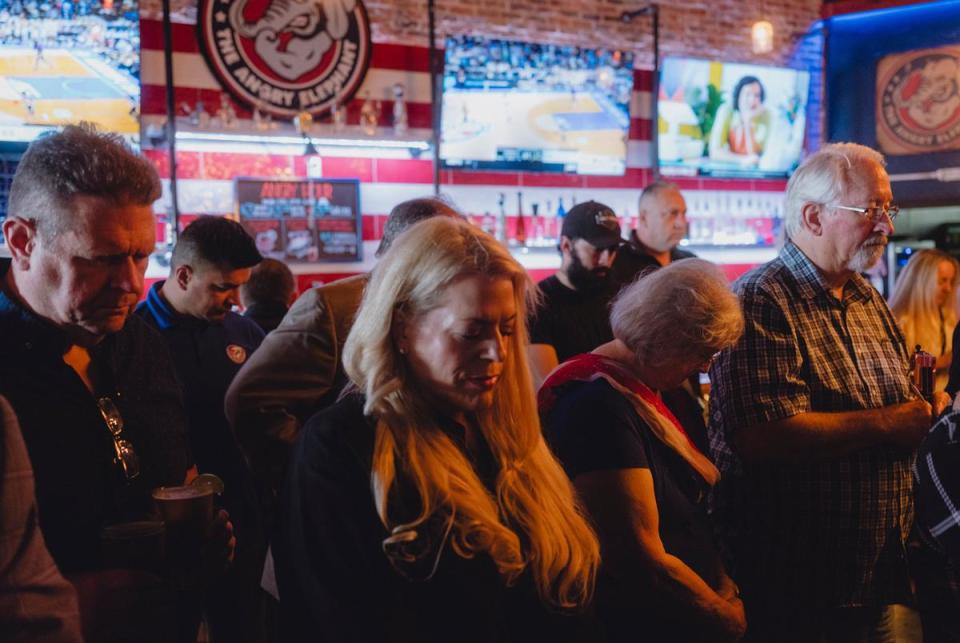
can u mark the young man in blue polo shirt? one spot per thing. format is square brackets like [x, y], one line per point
[209, 342]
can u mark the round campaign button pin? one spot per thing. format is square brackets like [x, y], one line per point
[237, 354]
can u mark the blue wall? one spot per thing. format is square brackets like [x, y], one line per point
[855, 44]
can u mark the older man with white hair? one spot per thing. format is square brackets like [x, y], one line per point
[813, 419]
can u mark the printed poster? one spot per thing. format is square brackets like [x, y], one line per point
[918, 101]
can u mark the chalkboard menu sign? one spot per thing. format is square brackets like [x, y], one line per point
[302, 220]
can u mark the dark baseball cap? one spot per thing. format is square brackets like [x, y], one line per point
[594, 222]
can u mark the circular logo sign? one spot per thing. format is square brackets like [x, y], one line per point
[286, 56]
[920, 102]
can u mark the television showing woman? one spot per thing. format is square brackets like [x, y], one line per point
[742, 127]
[424, 505]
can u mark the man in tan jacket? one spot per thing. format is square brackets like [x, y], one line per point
[297, 369]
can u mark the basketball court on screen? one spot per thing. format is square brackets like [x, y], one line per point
[53, 87]
[561, 124]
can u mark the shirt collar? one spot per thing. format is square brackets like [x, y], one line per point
[164, 314]
[811, 283]
[37, 331]
[639, 246]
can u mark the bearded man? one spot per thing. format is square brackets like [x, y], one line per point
[574, 316]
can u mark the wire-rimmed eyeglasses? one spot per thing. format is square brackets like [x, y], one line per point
[874, 212]
[124, 455]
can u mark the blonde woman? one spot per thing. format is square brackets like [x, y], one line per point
[924, 302]
[424, 505]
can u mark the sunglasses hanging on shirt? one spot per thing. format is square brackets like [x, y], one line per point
[124, 455]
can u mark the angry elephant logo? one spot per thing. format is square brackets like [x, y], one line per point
[287, 56]
[918, 101]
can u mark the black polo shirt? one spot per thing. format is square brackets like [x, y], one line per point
[207, 356]
[632, 260]
[571, 321]
[79, 487]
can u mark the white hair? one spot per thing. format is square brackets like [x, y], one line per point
[824, 177]
[683, 310]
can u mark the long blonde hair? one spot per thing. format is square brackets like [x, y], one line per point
[532, 519]
[914, 301]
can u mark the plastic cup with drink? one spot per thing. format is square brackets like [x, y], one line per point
[188, 514]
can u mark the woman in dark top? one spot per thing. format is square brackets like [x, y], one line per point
[425, 505]
[641, 477]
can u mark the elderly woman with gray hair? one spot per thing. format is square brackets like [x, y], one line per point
[642, 479]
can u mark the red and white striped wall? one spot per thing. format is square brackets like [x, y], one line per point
[205, 170]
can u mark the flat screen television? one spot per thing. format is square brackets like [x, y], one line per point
[726, 119]
[69, 61]
[521, 106]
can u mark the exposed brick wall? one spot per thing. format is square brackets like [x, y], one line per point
[697, 28]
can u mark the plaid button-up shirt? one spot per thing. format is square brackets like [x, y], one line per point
[813, 534]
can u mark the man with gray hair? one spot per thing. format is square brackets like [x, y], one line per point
[297, 370]
[813, 420]
[661, 224]
[93, 387]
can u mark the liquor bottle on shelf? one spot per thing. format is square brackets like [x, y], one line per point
[400, 121]
[338, 115]
[520, 233]
[549, 223]
[202, 116]
[502, 219]
[370, 115]
[539, 235]
[489, 224]
[561, 213]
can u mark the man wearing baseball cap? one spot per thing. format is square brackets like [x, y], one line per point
[574, 316]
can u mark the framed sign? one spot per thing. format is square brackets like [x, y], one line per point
[302, 220]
